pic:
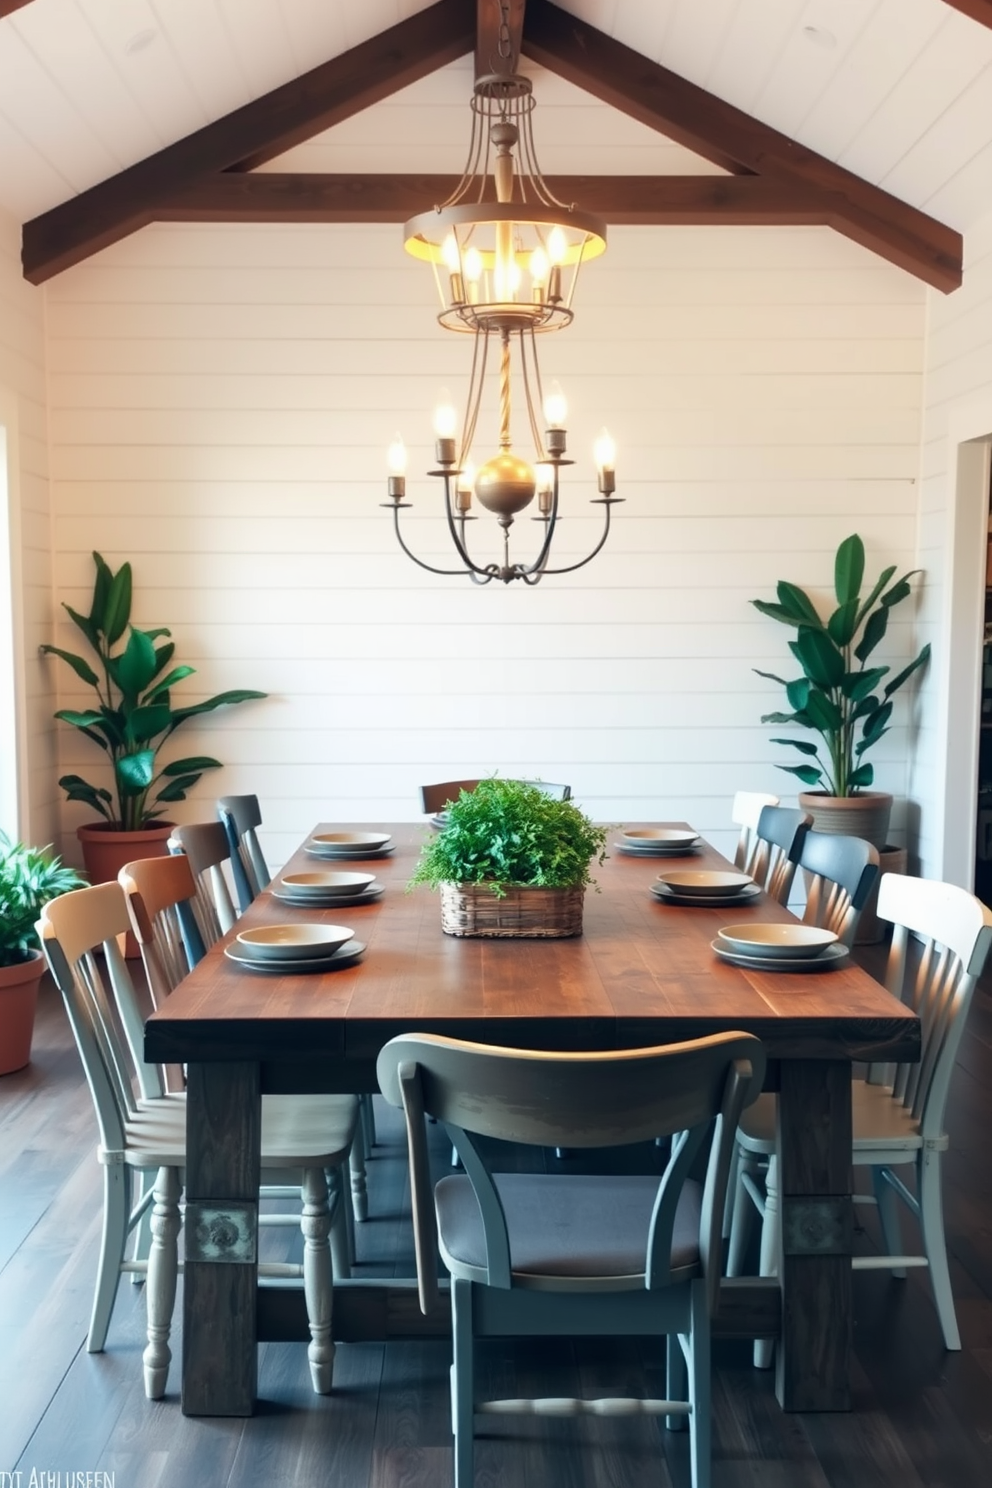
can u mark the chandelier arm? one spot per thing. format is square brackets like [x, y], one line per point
[598, 548]
[448, 573]
[458, 538]
[470, 170]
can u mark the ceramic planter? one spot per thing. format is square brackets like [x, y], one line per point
[865, 815]
[18, 1004]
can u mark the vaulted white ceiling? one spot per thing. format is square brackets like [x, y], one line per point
[897, 91]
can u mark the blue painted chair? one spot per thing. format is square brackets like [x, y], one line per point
[564, 1254]
[240, 816]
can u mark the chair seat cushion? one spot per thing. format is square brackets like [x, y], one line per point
[565, 1225]
[877, 1120]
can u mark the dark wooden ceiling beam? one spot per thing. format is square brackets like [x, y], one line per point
[978, 10]
[249, 136]
[490, 16]
[641, 201]
[719, 132]
[7, 7]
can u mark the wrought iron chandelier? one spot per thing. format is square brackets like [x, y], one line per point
[506, 270]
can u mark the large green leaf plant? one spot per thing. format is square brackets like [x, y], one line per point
[133, 714]
[840, 696]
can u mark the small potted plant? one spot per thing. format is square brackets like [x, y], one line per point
[839, 695]
[511, 861]
[132, 717]
[29, 878]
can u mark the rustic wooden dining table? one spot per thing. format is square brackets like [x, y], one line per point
[642, 973]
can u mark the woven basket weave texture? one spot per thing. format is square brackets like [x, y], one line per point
[528, 912]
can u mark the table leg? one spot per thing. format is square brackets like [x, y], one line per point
[223, 1136]
[814, 1152]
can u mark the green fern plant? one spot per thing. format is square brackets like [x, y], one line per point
[29, 877]
[507, 832]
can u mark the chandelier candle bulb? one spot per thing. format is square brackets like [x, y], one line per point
[546, 486]
[606, 458]
[463, 489]
[445, 420]
[396, 464]
[452, 258]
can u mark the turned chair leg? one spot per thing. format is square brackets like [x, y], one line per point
[160, 1288]
[318, 1283]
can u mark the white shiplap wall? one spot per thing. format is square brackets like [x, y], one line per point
[953, 523]
[23, 411]
[220, 403]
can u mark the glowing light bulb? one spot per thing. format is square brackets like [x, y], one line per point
[445, 417]
[464, 487]
[450, 254]
[539, 266]
[396, 456]
[557, 245]
[605, 452]
[473, 265]
[545, 488]
[555, 407]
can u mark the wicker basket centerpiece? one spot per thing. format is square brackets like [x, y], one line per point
[511, 861]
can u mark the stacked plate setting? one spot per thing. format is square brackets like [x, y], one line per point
[775, 947]
[288, 949]
[658, 842]
[705, 887]
[350, 846]
[327, 889]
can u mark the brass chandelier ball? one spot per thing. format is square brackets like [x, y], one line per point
[505, 484]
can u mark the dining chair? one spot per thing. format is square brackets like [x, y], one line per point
[161, 897]
[563, 1254]
[435, 797]
[897, 1109]
[746, 810]
[143, 1131]
[779, 833]
[240, 816]
[840, 873]
[208, 852]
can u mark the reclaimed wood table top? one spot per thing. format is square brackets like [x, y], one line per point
[641, 972]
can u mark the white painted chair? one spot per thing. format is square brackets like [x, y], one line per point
[145, 1133]
[240, 816]
[162, 894]
[746, 810]
[563, 1254]
[898, 1110]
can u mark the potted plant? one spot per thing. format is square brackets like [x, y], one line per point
[511, 861]
[29, 877]
[132, 718]
[842, 694]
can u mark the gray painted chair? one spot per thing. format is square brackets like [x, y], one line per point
[897, 1110]
[780, 833]
[143, 1131]
[536, 1253]
[240, 816]
[840, 874]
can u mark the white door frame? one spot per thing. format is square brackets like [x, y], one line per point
[969, 462]
[13, 727]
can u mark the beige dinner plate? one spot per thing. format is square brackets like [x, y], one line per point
[746, 895]
[656, 837]
[346, 955]
[326, 883]
[833, 955]
[775, 941]
[370, 895]
[711, 882]
[350, 841]
[295, 942]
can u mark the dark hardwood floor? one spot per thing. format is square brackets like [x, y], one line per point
[922, 1417]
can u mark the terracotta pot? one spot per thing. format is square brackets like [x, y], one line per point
[18, 1003]
[866, 815]
[106, 849]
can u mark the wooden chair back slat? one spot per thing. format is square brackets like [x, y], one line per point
[746, 810]
[240, 817]
[840, 875]
[208, 850]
